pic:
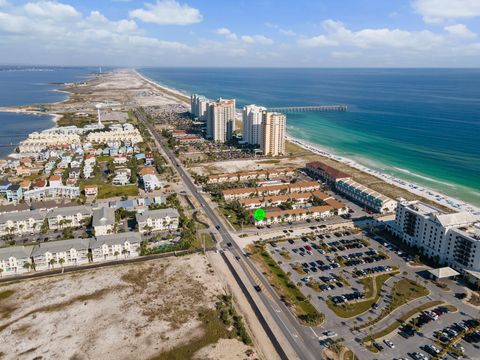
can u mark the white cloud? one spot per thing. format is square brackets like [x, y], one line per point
[248, 39]
[50, 9]
[4, 3]
[167, 12]
[460, 30]
[282, 31]
[337, 34]
[258, 39]
[434, 11]
[53, 30]
[227, 33]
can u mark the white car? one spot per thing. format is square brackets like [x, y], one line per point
[389, 344]
[329, 333]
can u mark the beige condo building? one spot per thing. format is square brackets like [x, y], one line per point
[273, 133]
[221, 120]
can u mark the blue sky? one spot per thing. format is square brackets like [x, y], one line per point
[291, 33]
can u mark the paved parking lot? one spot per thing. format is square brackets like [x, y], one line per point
[329, 261]
[336, 261]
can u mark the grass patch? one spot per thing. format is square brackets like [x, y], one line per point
[287, 290]
[271, 161]
[216, 324]
[106, 191]
[104, 158]
[198, 242]
[372, 293]
[298, 268]
[285, 254]
[403, 291]
[6, 294]
[398, 322]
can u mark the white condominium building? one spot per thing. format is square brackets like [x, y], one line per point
[198, 106]
[451, 239]
[130, 135]
[252, 124]
[157, 220]
[273, 133]
[365, 196]
[37, 142]
[221, 120]
[23, 222]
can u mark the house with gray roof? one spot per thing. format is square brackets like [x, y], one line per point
[49, 254]
[103, 221]
[73, 217]
[115, 246]
[158, 220]
[13, 259]
[19, 223]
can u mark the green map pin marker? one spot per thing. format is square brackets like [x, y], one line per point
[259, 214]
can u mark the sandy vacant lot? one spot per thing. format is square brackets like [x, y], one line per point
[130, 311]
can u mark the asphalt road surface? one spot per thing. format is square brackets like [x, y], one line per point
[302, 339]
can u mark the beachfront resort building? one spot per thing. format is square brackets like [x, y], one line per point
[221, 120]
[198, 106]
[124, 133]
[365, 196]
[158, 220]
[452, 239]
[115, 246]
[52, 193]
[103, 221]
[343, 184]
[72, 252]
[273, 133]
[252, 124]
[37, 142]
[69, 217]
[13, 259]
[22, 222]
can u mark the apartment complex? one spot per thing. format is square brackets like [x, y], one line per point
[365, 196]
[221, 120]
[252, 124]
[273, 133]
[451, 239]
[343, 184]
[157, 220]
[242, 193]
[251, 175]
[71, 252]
[198, 106]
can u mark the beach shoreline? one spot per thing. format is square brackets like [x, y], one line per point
[414, 188]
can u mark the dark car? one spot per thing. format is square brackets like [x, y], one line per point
[258, 288]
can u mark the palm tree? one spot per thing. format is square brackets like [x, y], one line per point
[61, 261]
[1, 271]
[116, 253]
[52, 262]
[27, 265]
[124, 252]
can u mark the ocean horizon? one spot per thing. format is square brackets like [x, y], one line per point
[421, 125]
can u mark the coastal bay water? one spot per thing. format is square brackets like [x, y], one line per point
[26, 86]
[422, 125]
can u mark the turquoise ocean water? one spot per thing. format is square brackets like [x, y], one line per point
[422, 125]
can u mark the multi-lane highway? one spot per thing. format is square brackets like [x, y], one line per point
[303, 340]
